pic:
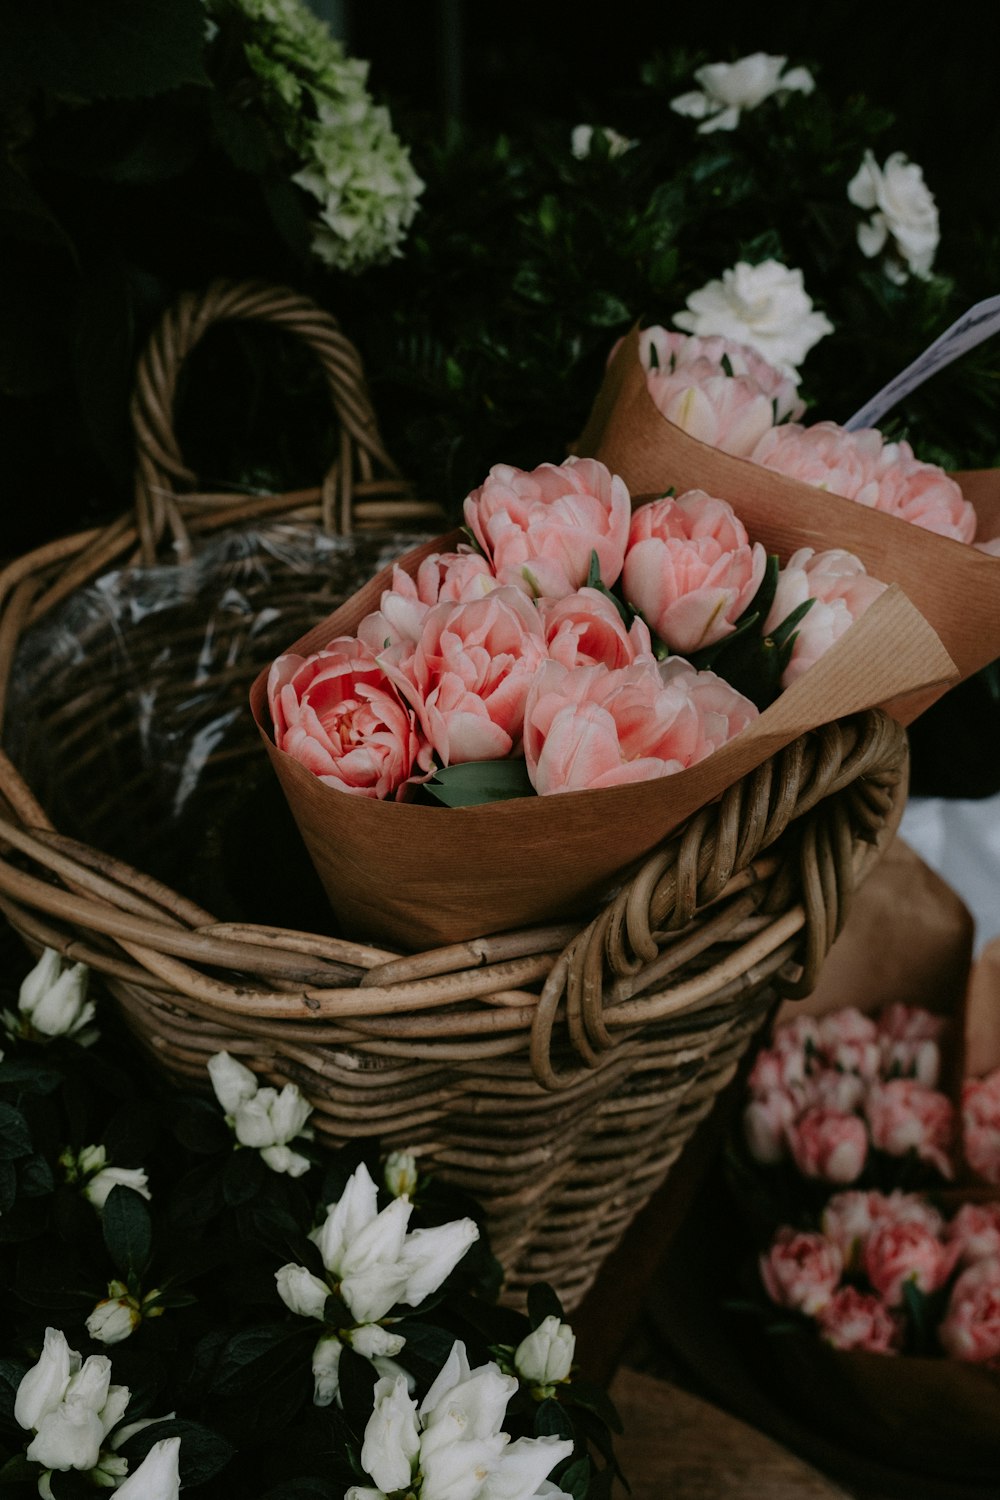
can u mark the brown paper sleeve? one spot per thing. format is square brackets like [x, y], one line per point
[420, 876]
[956, 587]
[982, 1025]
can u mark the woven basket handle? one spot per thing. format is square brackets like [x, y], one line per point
[362, 467]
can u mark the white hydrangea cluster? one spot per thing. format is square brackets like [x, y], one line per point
[353, 163]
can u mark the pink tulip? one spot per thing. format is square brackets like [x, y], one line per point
[585, 628]
[663, 351]
[828, 1144]
[901, 1252]
[905, 1116]
[981, 1125]
[690, 569]
[971, 1326]
[858, 1320]
[801, 1270]
[539, 528]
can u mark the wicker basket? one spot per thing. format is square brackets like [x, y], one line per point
[556, 1073]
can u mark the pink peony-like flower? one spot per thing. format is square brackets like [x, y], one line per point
[662, 350]
[800, 1270]
[843, 1092]
[970, 1329]
[777, 1067]
[981, 1125]
[399, 617]
[849, 1218]
[690, 569]
[592, 727]
[850, 1041]
[909, 1038]
[975, 1229]
[905, 1116]
[897, 1252]
[729, 412]
[841, 591]
[337, 715]
[766, 1122]
[539, 528]
[585, 629]
[457, 577]
[827, 1144]
[861, 466]
[858, 1320]
[468, 675]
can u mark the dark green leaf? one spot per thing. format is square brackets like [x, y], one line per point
[203, 1453]
[593, 1398]
[8, 1186]
[543, 1303]
[576, 1479]
[19, 1470]
[29, 1078]
[128, 1232]
[552, 1421]
[783, 631]
[254, 1355]
[35, 1176]
[475, 782]
[11, 1375]
[15, 1137]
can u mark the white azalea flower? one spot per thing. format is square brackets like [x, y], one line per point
[158, 1476]
[69, 1404]
[53, 1001]
[905, 215]
[546, 1355]
[262, 1118]
[373, 1264]
[582, 141]
[97, 1189]
[765, 306]
[453, 1447]
[729, 88]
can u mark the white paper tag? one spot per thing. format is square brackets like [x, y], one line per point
[971, 329]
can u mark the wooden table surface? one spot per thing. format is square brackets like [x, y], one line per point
[677, 1447]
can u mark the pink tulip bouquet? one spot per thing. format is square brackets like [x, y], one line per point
[707, 412]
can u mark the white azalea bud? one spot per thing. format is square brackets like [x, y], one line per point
[53, 999]
[91, 1385]
[289, 1114]
[114, 1319]
[252, 1121]
[301, 1291]
[90, 1160]
[326, 1370]
[158, 1476]
[97, 1189]
[373, 1340]
[232, 1082]
[400, 1174]
[110, 1471]
[41, 1390]
[392, 1437]
[363, 1492]
[546, 1355]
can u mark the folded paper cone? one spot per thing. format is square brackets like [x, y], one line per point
[419, 876]
[955, 586]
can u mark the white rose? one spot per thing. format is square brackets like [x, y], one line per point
[765, 306]
[904, 212]
[158, 1476]
[546, 1355]
[729, 88]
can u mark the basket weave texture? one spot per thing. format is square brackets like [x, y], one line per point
[556, 1073]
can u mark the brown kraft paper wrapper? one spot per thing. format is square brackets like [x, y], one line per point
[955, 586]
[418, 876]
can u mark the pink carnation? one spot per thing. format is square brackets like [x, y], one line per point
[840, 591]
[690, 570]
[540, 527]
[971, 1326]
[861, 466]
[337, 715]
[905, 1116]
[829, 1145]
[858, 1320]
[800, 1270]
[902, 1251]
[981, 1125]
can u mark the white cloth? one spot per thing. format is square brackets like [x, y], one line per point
[960, 839]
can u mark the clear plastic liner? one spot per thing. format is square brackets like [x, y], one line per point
[128, 715]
